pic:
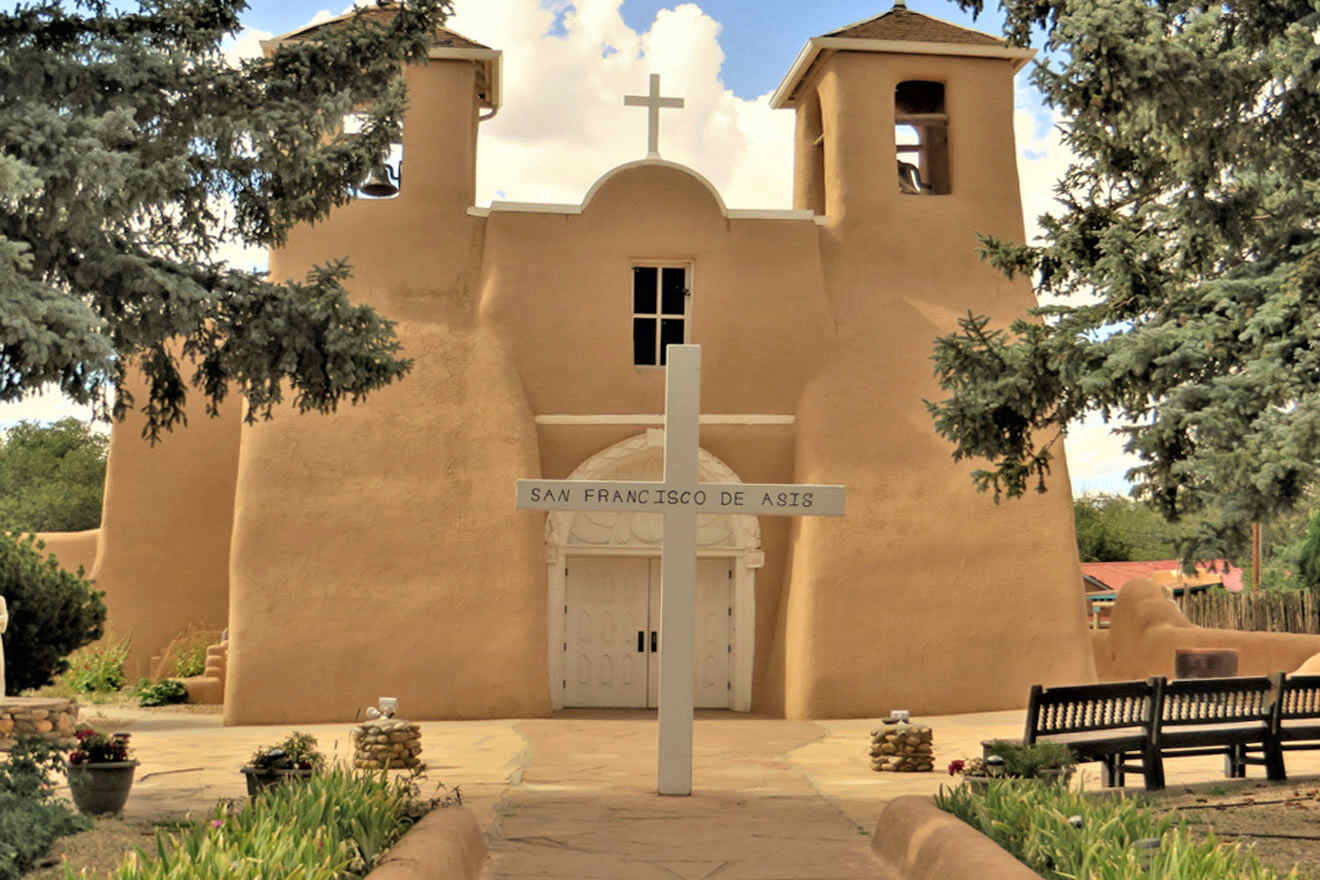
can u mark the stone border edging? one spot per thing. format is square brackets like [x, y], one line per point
[919, 841]
[446, 845]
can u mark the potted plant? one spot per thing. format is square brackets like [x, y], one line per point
[100, 771]
[1049, 761]
[296, 757]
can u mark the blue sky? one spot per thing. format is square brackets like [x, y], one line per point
[566, 66]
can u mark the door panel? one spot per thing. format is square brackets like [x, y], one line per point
[712, 636]
[606, 607]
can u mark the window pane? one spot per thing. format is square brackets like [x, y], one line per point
[671, 333]
[672, 291]
[644, 290]
[644, 341]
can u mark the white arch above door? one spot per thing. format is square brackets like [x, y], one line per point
[597, 533]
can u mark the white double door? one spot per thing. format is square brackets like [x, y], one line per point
[612, 632]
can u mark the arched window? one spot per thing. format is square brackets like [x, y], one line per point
[921, 138]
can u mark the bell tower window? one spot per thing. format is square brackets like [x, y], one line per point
[660, 296]
[921, 138]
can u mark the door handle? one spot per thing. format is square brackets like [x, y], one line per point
[654, 647]
[641, 642]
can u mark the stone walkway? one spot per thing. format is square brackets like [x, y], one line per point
[573, 796]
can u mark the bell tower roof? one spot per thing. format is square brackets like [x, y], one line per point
[899, 31]
[445, 44]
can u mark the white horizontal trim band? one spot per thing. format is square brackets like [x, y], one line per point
[659, 419]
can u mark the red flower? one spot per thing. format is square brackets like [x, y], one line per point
[957, 766]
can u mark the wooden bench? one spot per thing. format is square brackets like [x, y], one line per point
[1111, 723]
[1295, 723]
[1217, 716]
[1133, 726]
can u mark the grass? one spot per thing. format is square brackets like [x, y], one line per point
[335, 825]
[1064, 835]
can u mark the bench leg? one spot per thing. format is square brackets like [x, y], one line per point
[1274, 769]
[1152, 768]
[1235, 762]
[1112, 771]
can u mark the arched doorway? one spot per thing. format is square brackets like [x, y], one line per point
[603, 573]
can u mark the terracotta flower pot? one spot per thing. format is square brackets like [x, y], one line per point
[101, 788]
[261, 778]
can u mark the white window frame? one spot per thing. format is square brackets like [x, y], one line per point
[658, 315]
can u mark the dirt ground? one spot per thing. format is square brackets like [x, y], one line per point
[99, 851]
[1281, 823]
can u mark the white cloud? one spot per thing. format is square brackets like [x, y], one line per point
[49, 405]
[564, 123]
[1043, 157]
[1096, 460]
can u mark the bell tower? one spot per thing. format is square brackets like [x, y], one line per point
[901, 107]
[904, 148]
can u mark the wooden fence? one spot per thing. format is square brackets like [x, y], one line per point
[1292, 612]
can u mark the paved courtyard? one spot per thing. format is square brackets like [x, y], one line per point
[573, 796]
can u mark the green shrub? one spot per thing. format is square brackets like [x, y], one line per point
[1062, 835]
[1026, 761]
[98, 669]
[163, 693]
[52, 612]
[192, 659]
[31, 818]
[334, 825]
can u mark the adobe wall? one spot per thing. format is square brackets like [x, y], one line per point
[72, 549]
[376, 550]
[1147, 628]
[163, 554]
[981, 598]
[758, 309]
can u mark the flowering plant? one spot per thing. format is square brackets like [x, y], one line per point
[968, 767]
[95, 747]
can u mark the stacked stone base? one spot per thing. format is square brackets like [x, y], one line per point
[51, 719]
[387, 744]
[902, 748]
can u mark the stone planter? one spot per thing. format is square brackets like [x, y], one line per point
[261, 778]
[101, 788]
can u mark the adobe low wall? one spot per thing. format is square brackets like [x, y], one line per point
[54, 719]
[72, 549]
[1147, 628]
[916, 840]
[446, 845]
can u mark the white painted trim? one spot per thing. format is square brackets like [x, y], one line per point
[770, 214]
[784, 97]
[474, 211]
[656, 161]
[659, 419]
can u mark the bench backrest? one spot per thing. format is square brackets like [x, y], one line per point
[1185, 701]
[1081, 708]
[1300, 697]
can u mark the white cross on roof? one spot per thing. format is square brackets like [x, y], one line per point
[653, 102]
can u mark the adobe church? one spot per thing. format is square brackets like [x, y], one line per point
[379, 551]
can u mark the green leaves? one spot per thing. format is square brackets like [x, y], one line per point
[1184, 261]
[51, 477]
[131, 150]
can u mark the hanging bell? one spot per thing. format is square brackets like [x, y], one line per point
[383, 182]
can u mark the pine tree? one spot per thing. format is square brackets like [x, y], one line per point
[1186, 254]
[131, 149]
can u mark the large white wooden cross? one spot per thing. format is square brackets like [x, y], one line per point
[653, 102]
[680, 497]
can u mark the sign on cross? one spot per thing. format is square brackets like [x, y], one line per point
[653, 102]
[680, 497]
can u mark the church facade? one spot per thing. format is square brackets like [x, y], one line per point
[379, 551]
